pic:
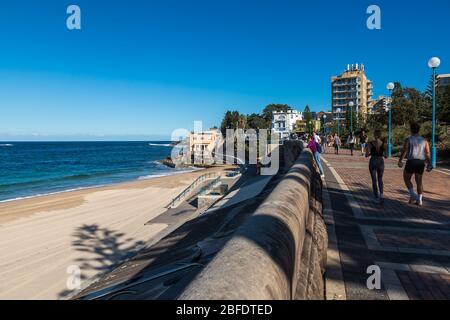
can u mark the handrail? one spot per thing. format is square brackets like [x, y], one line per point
[210, 186]
[189, 189]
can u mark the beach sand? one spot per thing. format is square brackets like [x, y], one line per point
[44, 240]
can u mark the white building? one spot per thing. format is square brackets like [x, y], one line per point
[283, 122]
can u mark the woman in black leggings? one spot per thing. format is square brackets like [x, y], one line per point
[376, 149]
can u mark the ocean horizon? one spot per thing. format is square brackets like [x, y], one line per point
[30, 169]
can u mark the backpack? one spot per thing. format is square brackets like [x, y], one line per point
[318, 147]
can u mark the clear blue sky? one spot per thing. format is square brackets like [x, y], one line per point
[143, 68]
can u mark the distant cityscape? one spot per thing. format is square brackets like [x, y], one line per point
[352, 89]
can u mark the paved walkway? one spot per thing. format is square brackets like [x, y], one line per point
[410, 244]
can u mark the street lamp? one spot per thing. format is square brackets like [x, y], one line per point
[324, 122]
[338, 110]
[390, 86]
[434, 63]
[351, 104]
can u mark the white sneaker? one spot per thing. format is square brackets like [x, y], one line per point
[419, 201]
[322, 176]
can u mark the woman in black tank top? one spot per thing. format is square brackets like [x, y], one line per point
[376, 149]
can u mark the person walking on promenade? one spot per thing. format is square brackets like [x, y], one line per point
[351, 142]
[417, 152]
[336, 143]
[315, 148]
[362, 141]
[323, 142]
[376, 150]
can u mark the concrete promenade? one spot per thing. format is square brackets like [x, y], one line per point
[410, 244]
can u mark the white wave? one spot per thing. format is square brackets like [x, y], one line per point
[160, 144]
[6, 145]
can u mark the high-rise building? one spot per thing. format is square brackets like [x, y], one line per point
[380, 104]
[351, 86]
[443, 80]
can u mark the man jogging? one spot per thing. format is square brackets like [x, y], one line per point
[417, 151]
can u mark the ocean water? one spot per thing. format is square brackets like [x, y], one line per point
[29, 169]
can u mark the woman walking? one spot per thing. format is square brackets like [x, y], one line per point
[351, 142]
[363, 141]
[376, 150]
[336, 143]
[315, 148]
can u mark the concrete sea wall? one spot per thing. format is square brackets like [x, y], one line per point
[279, 252]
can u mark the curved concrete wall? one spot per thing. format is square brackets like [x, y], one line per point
[279, 251]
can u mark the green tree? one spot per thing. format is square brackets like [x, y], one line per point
[442, 101]
[443, 104]
[232, 120]
[403, 109]
[418, 103]
[307, 116]
[376, 121]
[256, 121]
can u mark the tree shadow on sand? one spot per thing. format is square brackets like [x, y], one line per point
[102, 248]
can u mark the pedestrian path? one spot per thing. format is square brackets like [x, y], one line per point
[410, 244]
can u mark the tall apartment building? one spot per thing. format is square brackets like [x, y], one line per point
[351, 86]
[379, 105]
[443, 80]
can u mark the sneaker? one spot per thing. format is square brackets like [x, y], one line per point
[412, 200]
[322, 176]
[419, 202]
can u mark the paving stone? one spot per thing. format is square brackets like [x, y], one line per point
[411, 241]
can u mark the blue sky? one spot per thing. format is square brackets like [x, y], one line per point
[140, 69]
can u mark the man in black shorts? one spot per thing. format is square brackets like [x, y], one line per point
[417, 151]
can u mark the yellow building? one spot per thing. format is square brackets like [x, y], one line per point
[202, 145]
[301, 126]
[351, 86]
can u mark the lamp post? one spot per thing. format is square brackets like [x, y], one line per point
[390, 86]
[434, 63]
[351, 104]
[338, 110]
[324, 122]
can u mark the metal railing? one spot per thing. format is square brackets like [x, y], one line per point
[213, 184]
[187, 192]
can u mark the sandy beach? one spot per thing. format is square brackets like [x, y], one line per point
[44, 239]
